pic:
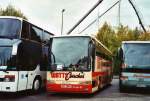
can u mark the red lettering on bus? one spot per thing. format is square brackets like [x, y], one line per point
[67, 76]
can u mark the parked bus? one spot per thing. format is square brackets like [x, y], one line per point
[78, 64]
[23, 55]
[134, 65]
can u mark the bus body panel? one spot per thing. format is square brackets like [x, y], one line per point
[32, 75]
[103, 71]
[136, 80]
[5, 84]
[75, 82]
[59, 82]
[22, 80]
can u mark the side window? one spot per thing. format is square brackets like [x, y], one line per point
[46, 37]
[44, 59]
[34, 52]
[36, 34]
[28, 56]
[22, 58]
[39, 33]
[25, 31]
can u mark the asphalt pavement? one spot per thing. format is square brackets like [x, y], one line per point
[109, 93]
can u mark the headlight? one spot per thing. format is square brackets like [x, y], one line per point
[9, 78]
[50, 82]
[85, 82]
[124, 77]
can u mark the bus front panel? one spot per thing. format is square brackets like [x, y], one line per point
[8, 81]
[135, 68]
[69, 82]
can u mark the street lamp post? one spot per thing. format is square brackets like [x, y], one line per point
[62, 18]
[119, 7]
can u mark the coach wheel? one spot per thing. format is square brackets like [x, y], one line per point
[36, 85]
[121, 89]
[99, 83]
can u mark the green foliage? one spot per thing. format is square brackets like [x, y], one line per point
[112, 38]
[11, 11]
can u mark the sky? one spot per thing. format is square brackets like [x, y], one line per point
[47, 13]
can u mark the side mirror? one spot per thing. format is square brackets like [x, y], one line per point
[91, 48]
[120, 54]
[91, 54]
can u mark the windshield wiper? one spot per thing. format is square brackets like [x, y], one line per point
[5, 71]
[75, 67]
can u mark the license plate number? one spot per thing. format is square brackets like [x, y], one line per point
[141, 85]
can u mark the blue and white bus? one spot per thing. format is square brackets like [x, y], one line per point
[134, 65]
[23, 55]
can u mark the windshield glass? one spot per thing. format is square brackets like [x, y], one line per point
[7, 61]
[70, 53]
[137, 54]
[9, 28]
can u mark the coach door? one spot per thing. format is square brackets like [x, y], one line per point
[22, 66]
[22, 80]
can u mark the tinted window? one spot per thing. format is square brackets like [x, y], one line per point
[22, 58]
[28, 56]
[10, 27]
[137, 54]
[44, 59]
[7, 61]
[36, 34]
[39, 32]
[25, 30]
[46, 36]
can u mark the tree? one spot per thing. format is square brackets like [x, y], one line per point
[106, 35]
[11, 11]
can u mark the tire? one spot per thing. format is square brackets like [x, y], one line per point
[121, 89]
[36, 87]
[99, 84]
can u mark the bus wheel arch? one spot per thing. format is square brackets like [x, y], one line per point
[99, 83]
[37, 84]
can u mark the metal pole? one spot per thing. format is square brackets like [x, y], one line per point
[99, 17]
[62, 20]
[84, 16]
[119, 22]
[139, 18]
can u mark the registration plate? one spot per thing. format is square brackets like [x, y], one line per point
[141, 85]
[66, 86]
